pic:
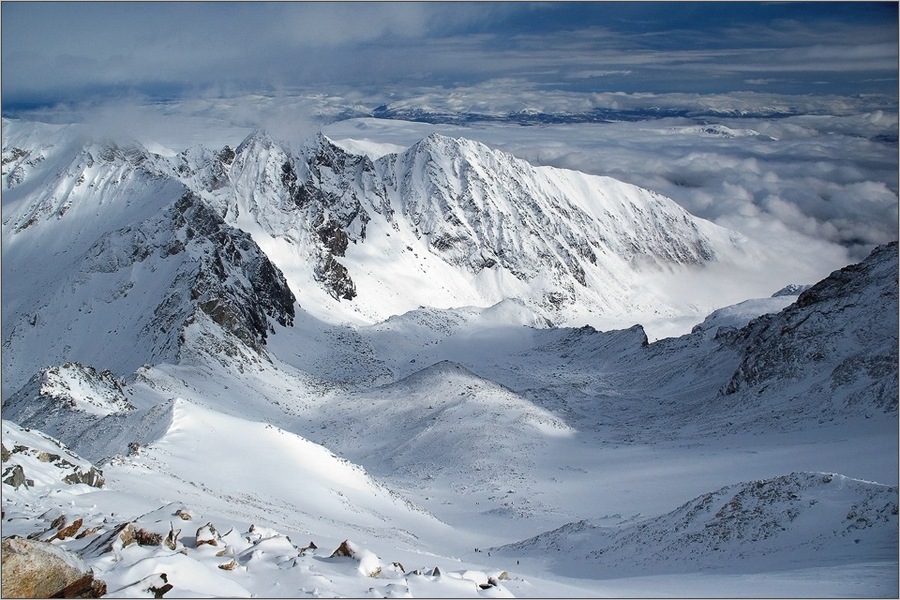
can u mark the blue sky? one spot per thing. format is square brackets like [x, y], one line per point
[71, 52]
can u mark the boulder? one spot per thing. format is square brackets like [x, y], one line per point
[92, 477]
[171, 540]
[35, 569]
[345, 549]
[147, 538]
[15, 476]
[229, 566]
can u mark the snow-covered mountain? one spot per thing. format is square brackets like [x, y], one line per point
[773, 523]
[294, 341]
[146, 241]
[486, 225]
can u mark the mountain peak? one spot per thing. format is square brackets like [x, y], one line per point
[258, 138]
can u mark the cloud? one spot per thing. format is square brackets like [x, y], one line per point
[70, 51]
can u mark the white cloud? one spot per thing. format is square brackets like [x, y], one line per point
[70, 48]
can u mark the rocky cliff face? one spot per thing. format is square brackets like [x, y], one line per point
[836, 347]
[234, 283]
[563, 238]
[127, 256]
[319, 199]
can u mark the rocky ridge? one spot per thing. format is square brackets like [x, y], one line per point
[774, 521]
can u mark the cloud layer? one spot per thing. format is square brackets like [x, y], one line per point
[70, 51]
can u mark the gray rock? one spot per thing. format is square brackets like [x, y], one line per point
[15, 476]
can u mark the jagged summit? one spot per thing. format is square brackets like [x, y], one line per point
[447, 210]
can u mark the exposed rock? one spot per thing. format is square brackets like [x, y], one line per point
[236, 284]
[127, 534]
[231, 565]
[160, 588]
[343, 550]
[121, 536]
[86, 587]
[15, 476]
[207, 535]
[839, 340]
[147, 538]
[334, 238]
[171, 541]
[71, 469]
[34, 569]
[85, 388]
[183, 514]
[87, 531]
[93, 477]
[156, 584]
[4, 453]
[792, 289]
[335, 277]
[47, 457]
[226, 155]
[70, 530]
[369, 564]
